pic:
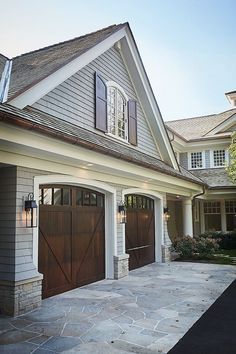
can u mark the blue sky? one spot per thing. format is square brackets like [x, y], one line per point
[187, 46]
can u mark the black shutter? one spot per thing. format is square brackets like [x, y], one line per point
[100, 104]
[132, 120]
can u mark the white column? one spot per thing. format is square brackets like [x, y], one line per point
[187, 217]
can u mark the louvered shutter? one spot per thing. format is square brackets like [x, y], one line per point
[100, 103]
[132, 121]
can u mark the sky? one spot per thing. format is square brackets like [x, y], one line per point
[188, 47]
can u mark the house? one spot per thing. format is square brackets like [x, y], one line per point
[201, 146]
[81, 136]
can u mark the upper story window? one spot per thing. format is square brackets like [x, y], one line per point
[196, 160]
[117, 111]
[219, 158]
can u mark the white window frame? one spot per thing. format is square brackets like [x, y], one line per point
[190, 160]
[212, 158]
[116, 86]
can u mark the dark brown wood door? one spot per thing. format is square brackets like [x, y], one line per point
[71, 238]
[140, 231]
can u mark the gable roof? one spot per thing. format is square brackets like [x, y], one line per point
[199, 127]
[36, 73]
[60, 129]
[30, 68]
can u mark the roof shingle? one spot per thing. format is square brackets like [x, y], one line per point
[198, 127]
[32, 67]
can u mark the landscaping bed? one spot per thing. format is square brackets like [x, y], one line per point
[217, 248]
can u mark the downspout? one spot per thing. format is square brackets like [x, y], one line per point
[194, 199]
[5, 81]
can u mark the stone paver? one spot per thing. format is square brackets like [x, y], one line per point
[146, 312]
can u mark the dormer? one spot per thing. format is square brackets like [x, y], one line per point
[231, 96]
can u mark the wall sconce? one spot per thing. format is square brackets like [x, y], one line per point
[166, 214]
[31, 211]
[122, 216]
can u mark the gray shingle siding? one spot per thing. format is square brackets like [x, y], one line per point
[7, 222]
[73, 100]
[183, 159]
[207, 159]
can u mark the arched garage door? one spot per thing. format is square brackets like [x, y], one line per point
[140, 230]
[71, 238]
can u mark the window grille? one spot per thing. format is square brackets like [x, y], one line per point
[196, 160]
[219, 158]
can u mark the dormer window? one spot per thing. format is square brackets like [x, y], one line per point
[196, 160]
[117, 111]
[219, 158]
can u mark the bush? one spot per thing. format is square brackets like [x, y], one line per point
[186, 246]
[206, 247]
[200, 247]
[226, 240]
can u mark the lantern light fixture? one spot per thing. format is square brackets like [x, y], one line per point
[31, 211]
[122, 215]
[166, 214]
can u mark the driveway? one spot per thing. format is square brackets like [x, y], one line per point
[146, 312]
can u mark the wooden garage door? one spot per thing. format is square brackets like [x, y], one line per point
[140, 231]
[71, 238]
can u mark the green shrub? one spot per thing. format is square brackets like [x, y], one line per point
[186, 246]
[206, 247]
[226, 240]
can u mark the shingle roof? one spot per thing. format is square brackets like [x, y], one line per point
[63, 130]
[214, 179]
[32, 67]
[198, 127]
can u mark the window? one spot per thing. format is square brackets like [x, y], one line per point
[230, 211]
[196, 160]
[212, 215]
[117, 112]
[219, 158]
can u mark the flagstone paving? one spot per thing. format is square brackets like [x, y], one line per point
[146, 312]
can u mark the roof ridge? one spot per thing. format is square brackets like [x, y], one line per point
[178, 120]
[69, 40]
[206, 116]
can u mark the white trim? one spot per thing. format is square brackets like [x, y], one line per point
[5, 81]
[46, 85]
[110, 214]
[117, 87]
[141, 83]
[212, 157]
[159, 225]
[223, 126]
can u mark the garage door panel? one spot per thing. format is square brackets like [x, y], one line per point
[71, 238]
[140, 231]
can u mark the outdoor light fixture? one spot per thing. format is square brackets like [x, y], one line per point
[122, 217]
[31, 211]
[166, 214]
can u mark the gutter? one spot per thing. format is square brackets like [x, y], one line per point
[29, 125]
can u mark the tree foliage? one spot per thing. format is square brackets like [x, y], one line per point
[231, 168]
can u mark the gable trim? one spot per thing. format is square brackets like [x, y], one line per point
[47, 84]
[223, 125]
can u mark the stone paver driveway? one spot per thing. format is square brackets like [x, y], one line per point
[146, 312]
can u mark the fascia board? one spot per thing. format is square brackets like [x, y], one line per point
[46, 85]
[147, 99]
[45, 147]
